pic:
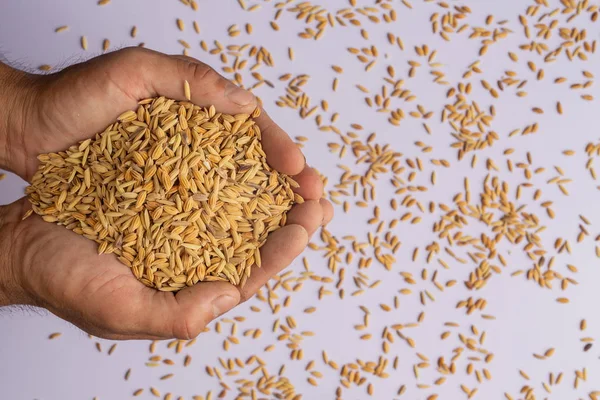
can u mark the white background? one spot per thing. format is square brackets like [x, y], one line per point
[528, 319]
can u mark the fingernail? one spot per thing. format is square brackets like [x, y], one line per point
[222, 304]
[239, 96]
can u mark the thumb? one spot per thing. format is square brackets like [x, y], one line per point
[166, 75]
[186, 314]
[146, 73]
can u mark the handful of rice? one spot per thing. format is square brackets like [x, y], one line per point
[179, 193]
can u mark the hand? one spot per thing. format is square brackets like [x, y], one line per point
[52, 267]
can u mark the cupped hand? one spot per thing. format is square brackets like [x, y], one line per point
[52, 267]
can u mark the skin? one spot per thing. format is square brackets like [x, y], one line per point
[46, 265]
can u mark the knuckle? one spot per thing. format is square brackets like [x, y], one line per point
[245, 295]
[132, 53]
[131, 57]
[185, 329]
[202, 72]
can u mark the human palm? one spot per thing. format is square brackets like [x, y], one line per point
[61, 271]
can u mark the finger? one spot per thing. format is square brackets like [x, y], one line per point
[308, 214]
[311, 185]
[100, 295]
[166, 75]
[105, 86]
[183, 315]
[282, 152]
[281, 248]
[327, 211]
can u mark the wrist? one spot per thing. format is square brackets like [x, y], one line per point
[15, 93]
